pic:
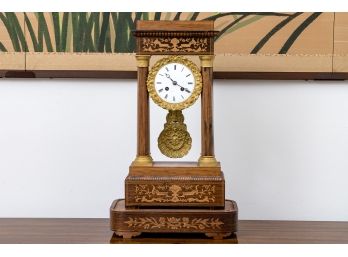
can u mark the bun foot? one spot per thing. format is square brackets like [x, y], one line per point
[128, 235]
[218, 236]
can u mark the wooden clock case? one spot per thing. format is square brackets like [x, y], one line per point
[167, 197]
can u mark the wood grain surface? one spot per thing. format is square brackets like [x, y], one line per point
[207, 132]
[58, 231]
[143, 112]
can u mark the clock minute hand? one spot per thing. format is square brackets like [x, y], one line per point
[168, 76]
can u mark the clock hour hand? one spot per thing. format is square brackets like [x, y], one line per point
[183, 88]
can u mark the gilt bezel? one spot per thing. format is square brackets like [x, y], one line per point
[151, 83]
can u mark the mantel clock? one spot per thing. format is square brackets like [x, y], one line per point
[174, 196]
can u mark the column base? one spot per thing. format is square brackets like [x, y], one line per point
[145, 160]
[208, 161]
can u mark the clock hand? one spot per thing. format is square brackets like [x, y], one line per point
[176, 84]
[168, 76]
[183, 88]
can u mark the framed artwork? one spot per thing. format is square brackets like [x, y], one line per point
[249, 45]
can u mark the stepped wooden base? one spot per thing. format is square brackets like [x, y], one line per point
[216, 224]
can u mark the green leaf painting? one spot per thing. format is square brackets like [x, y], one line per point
[110, 32]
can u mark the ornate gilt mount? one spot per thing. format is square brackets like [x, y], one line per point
[207, 61]
[174, 141]
[180, 105]
[144, 160]
[142, 60]
[165, 193]
[208, 161]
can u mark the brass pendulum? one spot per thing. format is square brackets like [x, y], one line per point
[174, 141]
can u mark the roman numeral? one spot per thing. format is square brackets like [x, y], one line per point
[167, 69]
[174, 66]
[182, 69]
[173, 98]
[190, 83]
[160, 90]
[159, 82]
[161, 74]
[188, 75]
[182, 97]
[166, 96]
[188, 91]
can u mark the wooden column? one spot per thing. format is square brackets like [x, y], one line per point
[143, 130]
[207, 139]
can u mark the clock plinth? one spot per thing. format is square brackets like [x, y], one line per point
[131, 222]
[174, 196]
[175, 184]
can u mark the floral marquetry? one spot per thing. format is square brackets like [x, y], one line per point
[175, 193]
[174, 223]
[175, 45]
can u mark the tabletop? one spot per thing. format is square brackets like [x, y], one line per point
[71, 231]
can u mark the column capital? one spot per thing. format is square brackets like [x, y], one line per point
[207, 60]
[142, 60]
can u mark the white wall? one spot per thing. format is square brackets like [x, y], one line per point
[65, 146]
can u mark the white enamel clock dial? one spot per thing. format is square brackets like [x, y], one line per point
[174, 83]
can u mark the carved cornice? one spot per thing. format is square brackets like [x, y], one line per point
[176, 178]
[205, 34]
